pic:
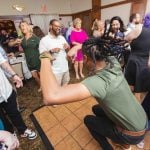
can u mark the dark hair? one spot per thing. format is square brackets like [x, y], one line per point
[133, 16]
[52, 21]
[122, 27]
[38, 32]
[105, 47]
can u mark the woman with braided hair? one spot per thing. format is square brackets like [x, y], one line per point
[118, 116]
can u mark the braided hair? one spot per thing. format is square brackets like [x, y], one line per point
[101, 48]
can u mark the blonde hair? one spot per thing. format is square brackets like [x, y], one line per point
[96, 24]
[30, 28]
[76, 20]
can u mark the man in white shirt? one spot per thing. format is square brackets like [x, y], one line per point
[57, 46]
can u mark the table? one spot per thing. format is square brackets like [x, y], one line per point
[21, 60]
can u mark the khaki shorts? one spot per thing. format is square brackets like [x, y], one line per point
[63, 78]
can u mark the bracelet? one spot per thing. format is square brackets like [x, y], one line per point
[46, 55]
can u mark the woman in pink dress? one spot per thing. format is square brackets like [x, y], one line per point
[77, 37]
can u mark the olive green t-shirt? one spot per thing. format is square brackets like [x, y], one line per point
[111, 90]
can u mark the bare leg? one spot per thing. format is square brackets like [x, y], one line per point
[36, 76]
[76, 69]
[81, 68]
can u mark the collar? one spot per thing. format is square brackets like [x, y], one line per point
[52, 36]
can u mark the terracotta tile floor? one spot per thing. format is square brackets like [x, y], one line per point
[64, 127]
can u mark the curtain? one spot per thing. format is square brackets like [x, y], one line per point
[43, 21]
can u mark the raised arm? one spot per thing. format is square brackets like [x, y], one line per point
[53, 93]
[15, 42]
[133, 34]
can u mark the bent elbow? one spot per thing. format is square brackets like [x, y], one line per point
[49, 100]
[46, 102]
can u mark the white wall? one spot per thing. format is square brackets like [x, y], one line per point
[65, 20]
[80, 5]
[53, 6]
[122, 11]
[67, 7]
[34, 7]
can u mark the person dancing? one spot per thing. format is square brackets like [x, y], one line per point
[118, 116]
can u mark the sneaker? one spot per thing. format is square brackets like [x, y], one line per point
[21, 109]
[141, 145]
[31, 135]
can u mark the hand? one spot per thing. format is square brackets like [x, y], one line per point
[55, 50]
[18, 41]
[73, 51]
[9, 139]
[66, 46]
[17, 80]
[11, 55]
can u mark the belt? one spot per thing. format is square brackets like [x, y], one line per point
[131, 133]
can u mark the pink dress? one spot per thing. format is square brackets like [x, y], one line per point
[78, 37]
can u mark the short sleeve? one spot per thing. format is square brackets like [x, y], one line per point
[42, 46]
[96, 86]
[72, 37]
[2, 59]
[63, 40]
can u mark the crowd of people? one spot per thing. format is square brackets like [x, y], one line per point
[118, 56]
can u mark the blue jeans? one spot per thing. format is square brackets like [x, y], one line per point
[101, 128]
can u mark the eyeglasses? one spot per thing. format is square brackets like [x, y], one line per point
[56, 26]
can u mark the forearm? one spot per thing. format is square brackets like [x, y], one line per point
[53, 93]
[15, 42]
[12, 43]
[74, 50]
[48, 81]
[7, 68]
[75, 43]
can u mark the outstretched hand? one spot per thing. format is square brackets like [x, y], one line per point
[17, 80]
